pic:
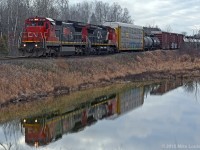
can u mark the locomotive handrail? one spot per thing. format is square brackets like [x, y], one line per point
[76, 38]
[42, 39]
[20, 39]
[88, 42]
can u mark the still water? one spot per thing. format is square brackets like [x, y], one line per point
[153, 117]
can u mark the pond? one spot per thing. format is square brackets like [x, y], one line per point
[162, 115]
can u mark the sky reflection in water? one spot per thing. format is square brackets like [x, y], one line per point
[168, 121]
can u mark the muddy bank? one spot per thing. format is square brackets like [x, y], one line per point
[26, 80]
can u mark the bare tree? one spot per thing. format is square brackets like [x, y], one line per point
[126, 18]
[99, 12]
[86, 11]
[63, 7]
[115, 13]
[74, 9]
[168, 28]
[93, 19]
[43, 7]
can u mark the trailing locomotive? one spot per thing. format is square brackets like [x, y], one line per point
[49, 37]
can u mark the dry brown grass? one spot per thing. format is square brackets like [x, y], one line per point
[29, 77]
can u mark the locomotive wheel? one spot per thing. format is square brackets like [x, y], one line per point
[22, 52]
[78, 51]
[86, 51]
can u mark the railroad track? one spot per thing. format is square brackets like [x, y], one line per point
[20, 58]
[71, 57]
[12, 57]
[67, 57]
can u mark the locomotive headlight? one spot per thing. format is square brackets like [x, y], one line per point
[24, 120]
[36, 120]
[24, 45]
[36, 45]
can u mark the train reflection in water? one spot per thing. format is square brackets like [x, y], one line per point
[46, 128]
[165, 87]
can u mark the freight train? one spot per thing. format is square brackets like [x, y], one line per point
[50, 37]
[43, 129]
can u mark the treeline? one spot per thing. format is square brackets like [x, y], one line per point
[14, 12]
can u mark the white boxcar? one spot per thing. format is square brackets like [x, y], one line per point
[129, 36]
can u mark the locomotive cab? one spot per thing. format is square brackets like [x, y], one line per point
[36, 32]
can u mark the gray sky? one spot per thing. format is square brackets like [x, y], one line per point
[179, 14]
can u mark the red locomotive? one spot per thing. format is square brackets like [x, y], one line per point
[48, 37]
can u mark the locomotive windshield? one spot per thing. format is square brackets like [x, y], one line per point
[35, 23]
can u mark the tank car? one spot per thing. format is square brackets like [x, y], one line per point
[148, 43]
[151, 43]
[156, 42]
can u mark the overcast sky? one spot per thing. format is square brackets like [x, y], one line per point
[179, 14]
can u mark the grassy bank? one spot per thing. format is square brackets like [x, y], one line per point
[34, 78]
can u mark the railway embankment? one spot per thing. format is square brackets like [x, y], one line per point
[29, 79]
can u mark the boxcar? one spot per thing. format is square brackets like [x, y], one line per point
[173, 42]
[164, 38]
[180, 40]
[129, 36]
[169, 40]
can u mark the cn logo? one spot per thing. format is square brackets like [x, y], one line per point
[31, 34]
[99, 35]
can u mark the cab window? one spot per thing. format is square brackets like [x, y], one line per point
[34, 23]
[40, 23]
[47, 25]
